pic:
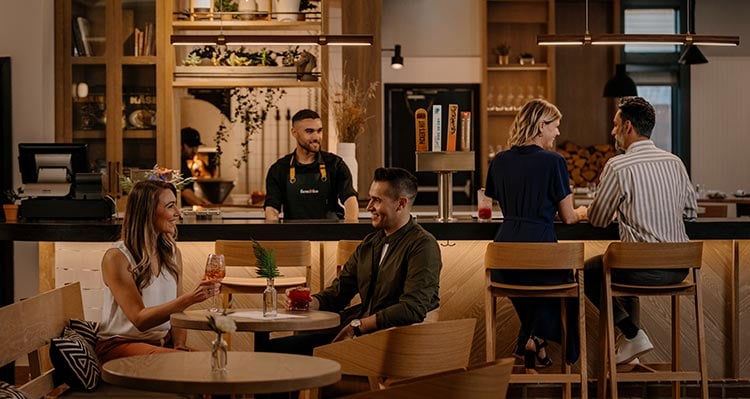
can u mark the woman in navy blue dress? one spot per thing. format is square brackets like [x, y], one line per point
[531, 183]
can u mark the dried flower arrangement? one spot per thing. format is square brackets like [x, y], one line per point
[349, 106]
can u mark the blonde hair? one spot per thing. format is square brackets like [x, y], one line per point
[139, 234]
[526, 124]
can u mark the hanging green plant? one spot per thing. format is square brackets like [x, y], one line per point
[251, 105]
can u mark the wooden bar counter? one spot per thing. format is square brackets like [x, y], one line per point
[726, 274]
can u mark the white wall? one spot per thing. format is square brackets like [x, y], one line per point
[439, 40]
[720, 131]
[26, 35]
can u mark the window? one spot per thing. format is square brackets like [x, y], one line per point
[650, 21]
[661, 98]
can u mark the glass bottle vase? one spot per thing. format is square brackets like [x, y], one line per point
[269, 299]
[218, 354]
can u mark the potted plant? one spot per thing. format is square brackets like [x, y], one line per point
[526, 59]
[223, 6]
[502, 51]
[11, 209]
[349, 100]
[304, 5]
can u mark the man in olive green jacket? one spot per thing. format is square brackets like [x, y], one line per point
[395, 270]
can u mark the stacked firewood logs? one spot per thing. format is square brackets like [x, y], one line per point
[585, 164]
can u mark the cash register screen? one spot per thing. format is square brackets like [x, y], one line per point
[51, 162]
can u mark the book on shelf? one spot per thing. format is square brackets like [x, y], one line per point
[83, 35]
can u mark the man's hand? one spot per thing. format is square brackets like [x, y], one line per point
[582, 212]
[346, 333]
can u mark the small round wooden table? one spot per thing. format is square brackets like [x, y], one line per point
[310, 320]
[247, 372]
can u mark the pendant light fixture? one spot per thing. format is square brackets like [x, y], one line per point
[614, 39]
[692, 55]
[620, 85]
[397, 61]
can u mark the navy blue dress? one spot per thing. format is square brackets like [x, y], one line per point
[529, 183]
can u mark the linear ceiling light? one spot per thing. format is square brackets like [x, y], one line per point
[614, 39]
[272, 40]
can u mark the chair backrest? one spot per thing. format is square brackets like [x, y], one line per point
[31, 324]
[487, 381]
[344, 250]
[407, 351]
[653, 255]
[239, 253]
[534, 255]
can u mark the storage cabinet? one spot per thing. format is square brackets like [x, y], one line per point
[506, 87]
[107, 86]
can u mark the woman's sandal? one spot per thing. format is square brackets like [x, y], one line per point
[543, 361]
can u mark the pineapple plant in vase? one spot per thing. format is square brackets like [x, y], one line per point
[266, 268]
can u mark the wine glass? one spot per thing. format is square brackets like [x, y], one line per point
[215, 270]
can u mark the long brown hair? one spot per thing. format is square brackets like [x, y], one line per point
[138, 232]
[525, 126]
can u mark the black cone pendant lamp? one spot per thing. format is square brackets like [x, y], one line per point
[692, 55]
[620, 85]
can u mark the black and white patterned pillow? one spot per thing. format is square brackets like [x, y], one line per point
[87, 330]
[75, 361]
[8, 391]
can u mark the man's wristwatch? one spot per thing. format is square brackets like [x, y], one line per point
[356, 324]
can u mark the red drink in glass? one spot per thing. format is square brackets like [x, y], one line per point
[299, 298]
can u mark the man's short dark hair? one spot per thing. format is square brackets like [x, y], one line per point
[640, 113]
[190, 137]
[304, 114]
[403, 183]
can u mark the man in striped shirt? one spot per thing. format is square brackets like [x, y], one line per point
[650, 193]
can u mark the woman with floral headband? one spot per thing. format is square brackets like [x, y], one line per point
[142, 274]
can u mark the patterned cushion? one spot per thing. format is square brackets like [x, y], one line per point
[8, 391]
[87, 330]
[75, 360]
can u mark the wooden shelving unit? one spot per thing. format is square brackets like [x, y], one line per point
[95, 45]
[505, 88]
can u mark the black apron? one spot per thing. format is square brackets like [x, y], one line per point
[307, 193]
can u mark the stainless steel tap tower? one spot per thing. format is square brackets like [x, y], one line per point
[444, 164]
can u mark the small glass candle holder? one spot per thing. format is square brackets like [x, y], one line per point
[484, 206]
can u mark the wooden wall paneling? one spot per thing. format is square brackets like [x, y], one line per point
[46, 266]
[363, 63]
[741, 348]
[583, 71]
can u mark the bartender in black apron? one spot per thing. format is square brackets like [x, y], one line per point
[309, 183]
[308, 192]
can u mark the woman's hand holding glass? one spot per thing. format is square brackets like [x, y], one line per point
[215, 271]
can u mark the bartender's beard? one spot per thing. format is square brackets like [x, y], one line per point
[309, 147]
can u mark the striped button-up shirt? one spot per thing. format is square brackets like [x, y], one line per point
[650, 193]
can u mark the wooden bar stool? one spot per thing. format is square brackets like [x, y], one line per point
[542, 257]
[652, 256]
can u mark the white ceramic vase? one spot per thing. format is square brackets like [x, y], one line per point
[287, 9]
[348, 152]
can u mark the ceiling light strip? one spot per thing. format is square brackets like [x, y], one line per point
[277, 40]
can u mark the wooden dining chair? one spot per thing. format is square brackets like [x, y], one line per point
[289, 254]
[344, 250]
[486, 381]
[404, 352]
[542, 257]
[641, 255]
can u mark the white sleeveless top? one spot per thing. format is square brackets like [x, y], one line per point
[114, 323]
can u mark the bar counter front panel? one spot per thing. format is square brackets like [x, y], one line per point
[725, 277]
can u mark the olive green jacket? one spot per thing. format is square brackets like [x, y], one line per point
[407, 280]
